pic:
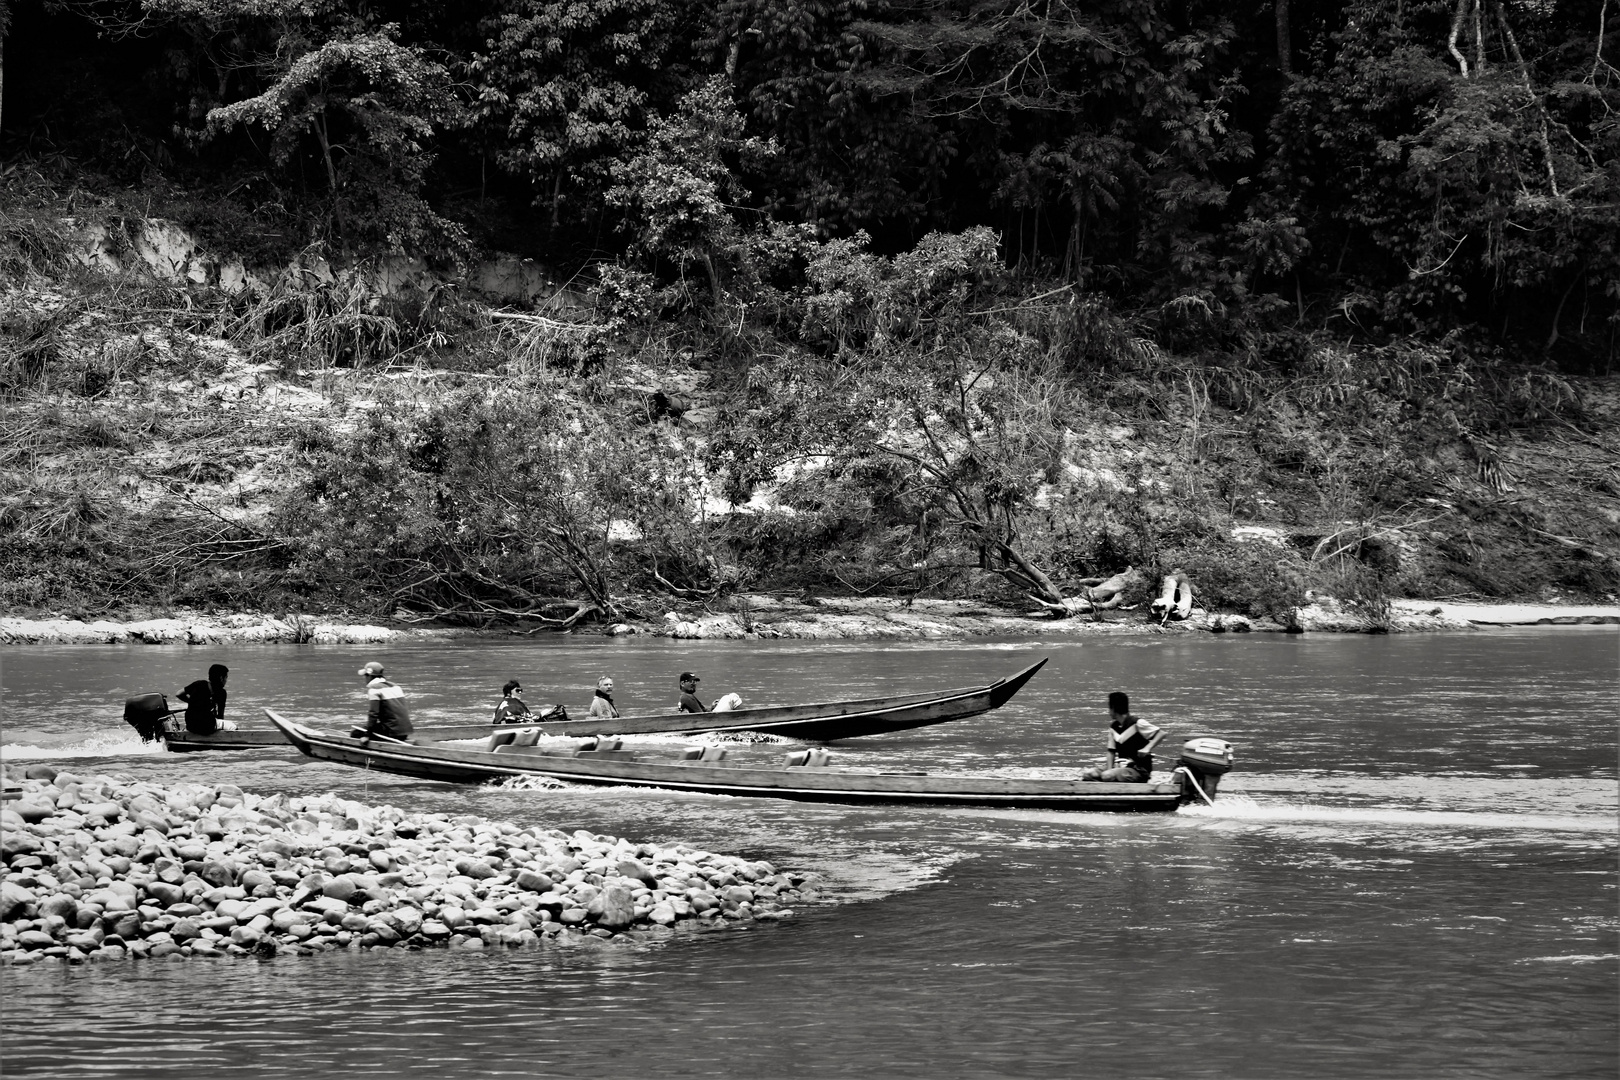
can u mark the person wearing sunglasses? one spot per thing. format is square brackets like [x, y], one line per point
[511, 710]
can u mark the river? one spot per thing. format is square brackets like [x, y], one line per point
[1411, 873]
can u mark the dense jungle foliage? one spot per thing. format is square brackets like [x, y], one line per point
[965, 296]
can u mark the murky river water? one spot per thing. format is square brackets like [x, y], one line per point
[1413, 873]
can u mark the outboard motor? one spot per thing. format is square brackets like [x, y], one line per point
[147, 714]
[1205, 759]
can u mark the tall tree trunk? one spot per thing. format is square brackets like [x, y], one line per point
[331, 177]
[1285, 41]
[556, 198]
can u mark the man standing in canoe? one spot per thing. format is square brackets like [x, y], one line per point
[1130, 745]
[386, 714]
[689, 700]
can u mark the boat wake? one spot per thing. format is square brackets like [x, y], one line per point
[106, 745]
[528, 783]
[1241, 808]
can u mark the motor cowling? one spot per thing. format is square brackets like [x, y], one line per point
[147, 714]
[1205, 759]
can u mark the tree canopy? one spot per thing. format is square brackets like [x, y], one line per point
[1376, 167]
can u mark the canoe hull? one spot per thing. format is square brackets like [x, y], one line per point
[823, 722]
[805, 784]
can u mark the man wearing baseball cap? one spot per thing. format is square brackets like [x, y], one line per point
[689, 699]
[386, 714]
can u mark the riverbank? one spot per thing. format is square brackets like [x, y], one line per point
[763, 617]
[103, 869]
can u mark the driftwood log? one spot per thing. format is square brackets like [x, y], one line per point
[1175, 600]
[1096, 595]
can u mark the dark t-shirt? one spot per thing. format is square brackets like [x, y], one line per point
[690, 702]
[200, 716]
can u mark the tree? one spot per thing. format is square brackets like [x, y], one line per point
[678, 191]
[484, 504]
[371, 107]
[561, 85]
[855, 154]
[932, 393]
[1454, 178]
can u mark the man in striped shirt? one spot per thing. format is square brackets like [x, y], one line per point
[386, 714]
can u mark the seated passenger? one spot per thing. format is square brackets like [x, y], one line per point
[386, 713]
[1130, 745]
[205, 703]
[689, 700]
[511, 710]
[602, 702]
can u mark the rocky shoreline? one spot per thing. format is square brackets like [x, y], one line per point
[101, 869]
[757, 617]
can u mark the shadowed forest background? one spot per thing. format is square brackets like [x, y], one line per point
[987, 299]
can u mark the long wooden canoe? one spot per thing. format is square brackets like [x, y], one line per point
[822, 722]
[661, 769]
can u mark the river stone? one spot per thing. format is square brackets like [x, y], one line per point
[61, 905]
[326, 905]
[125, 926]
[151, 819]
[477, 869]
[452, 916]
[264, 905]
[86, 940]
[219, 874]
[381, 860]
[532, 881]
[272, 846]
[31, 810]
[433, 928]
[385, 934]
[663, 914]
[255, 879]
[164, 893]
[702, 901]
[613, 907]
[340, 888]
[109, 899]
[184, 911]
[231, 908]
[636, 871]
[246, 935]
[39, 772]
[740, 894]
[409, 921]
[35, 939]
[15, 844]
